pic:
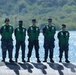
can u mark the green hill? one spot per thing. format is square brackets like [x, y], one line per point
[61, 11]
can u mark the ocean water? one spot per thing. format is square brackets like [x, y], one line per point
[72, 49]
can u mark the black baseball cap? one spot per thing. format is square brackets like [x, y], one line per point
[49, 20]
[33, 20]
[20, 22]
[63, 25]
[7, 20]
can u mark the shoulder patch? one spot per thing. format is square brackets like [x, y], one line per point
[66, 33]
[37, 29]
[47, 27]
[52, 28]
[23, 30]
[31, 28]
[4, 27]
[10, 27]
[18, 29]
[61, 33]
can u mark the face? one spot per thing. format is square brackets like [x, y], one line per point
[20, 25]
[49, 22]
[34, 23]
[63, 28]
[7, 22]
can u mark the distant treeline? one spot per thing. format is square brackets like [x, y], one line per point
[61, 11]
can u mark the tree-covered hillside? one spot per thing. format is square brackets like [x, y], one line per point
[61, 11]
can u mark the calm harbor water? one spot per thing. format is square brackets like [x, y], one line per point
[72, 48]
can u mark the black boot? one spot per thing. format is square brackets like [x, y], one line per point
[28, 60]
[23, 60]
[45, 60]
[60, 60]
[16, 60]
[51, 60]
[38, 60]
[3, 60]
[67, 61]
[11, 61]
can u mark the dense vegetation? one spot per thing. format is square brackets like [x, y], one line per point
[61, 11]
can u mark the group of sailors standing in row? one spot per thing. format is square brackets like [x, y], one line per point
[33, 31]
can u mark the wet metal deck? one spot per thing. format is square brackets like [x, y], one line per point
[37, 69]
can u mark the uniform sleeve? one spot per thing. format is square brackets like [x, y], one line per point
[15, 31]
[25, 31]
[1, 29]
[58, 35]
[68, 35]
[43, 31]
[54, 30]
[12, 30]
[28, 31]
[38, 31]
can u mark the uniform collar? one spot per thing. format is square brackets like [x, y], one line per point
[50, 25]
[33, 26]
